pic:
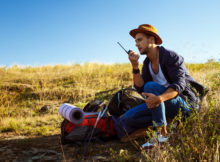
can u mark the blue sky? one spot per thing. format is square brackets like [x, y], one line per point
[42, 32]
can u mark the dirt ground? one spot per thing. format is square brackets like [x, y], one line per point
[21, 148]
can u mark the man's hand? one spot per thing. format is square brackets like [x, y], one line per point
[152, 100]
[133, 57]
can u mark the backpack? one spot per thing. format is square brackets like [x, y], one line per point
[122, 101]
[79, 133]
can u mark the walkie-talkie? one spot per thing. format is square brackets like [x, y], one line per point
[124, 48]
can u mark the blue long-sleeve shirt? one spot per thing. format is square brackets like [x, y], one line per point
[176, 74]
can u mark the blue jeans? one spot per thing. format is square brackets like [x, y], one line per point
[141, 116]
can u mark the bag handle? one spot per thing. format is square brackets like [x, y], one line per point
[134, 90]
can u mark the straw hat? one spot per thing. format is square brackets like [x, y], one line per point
[148, 29]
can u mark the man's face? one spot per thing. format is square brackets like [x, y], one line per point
[143, 43]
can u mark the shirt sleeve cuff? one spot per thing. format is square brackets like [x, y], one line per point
[175, 87]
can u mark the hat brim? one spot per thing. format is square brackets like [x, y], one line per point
[157, 37]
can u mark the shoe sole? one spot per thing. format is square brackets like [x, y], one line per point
[148, 148]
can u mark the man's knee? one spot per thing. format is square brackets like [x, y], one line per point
[150, 86]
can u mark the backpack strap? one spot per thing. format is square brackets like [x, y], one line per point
[90, 127]
[119, 98]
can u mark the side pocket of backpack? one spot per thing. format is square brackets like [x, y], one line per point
[63, 133]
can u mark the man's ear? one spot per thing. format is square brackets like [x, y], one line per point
[152, 39]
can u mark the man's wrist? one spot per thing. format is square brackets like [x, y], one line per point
[136, 71]
[135, 65]
[161, 98]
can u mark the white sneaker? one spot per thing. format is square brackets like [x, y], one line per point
[150, 144]
[157, 139]
[162, 139]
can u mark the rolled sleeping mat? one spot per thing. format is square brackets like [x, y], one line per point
[73, 113]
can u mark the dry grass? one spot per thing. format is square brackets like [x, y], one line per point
[25, 90]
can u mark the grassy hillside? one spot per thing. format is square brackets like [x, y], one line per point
[25, 90]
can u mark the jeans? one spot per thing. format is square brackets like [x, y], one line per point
[141, 116]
